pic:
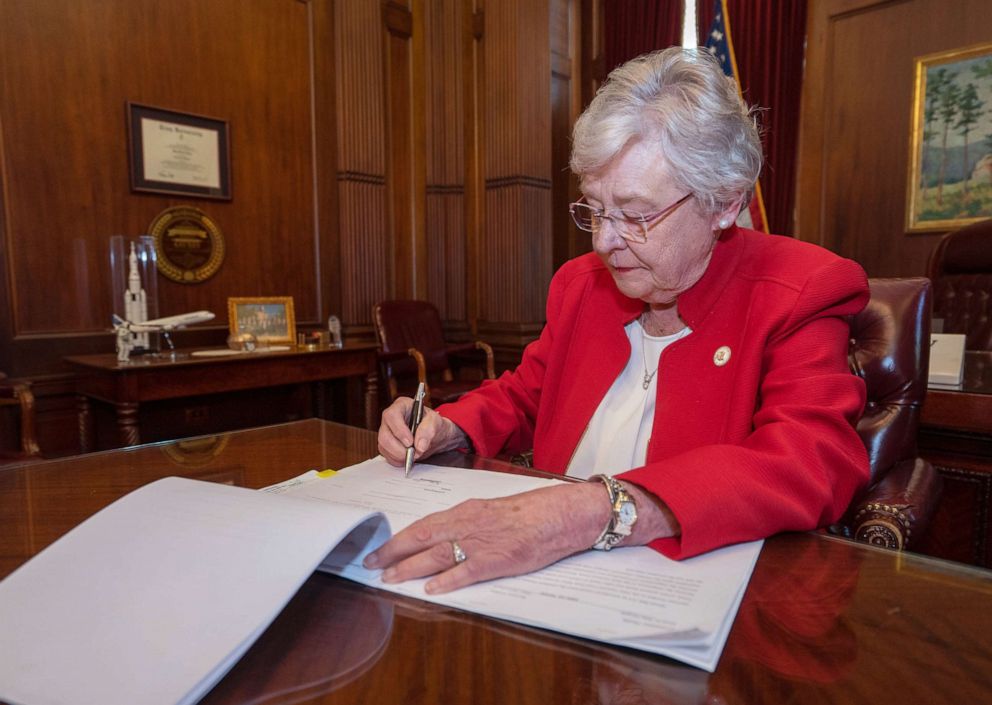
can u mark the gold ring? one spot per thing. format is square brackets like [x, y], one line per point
[458, 553]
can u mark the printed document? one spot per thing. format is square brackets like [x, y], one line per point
[629, 596]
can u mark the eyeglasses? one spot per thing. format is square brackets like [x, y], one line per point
[630, 225]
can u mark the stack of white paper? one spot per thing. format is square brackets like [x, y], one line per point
[152, 600]
[629, 596]
[155, 598]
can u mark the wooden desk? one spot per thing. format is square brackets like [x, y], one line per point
[823, 620]
[153, 378]
[968, 409]
[956, 436]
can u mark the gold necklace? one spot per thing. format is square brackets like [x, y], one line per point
[644, 358]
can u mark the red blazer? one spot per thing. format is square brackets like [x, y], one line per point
[761, 444]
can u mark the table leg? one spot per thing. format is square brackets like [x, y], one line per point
[84, 422]
[127, 423]
[372, 401]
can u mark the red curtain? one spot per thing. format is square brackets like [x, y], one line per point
[769, 39]
[634, 27]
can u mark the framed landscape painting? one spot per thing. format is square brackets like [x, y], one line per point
[950, 175]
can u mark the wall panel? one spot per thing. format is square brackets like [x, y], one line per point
[445, 142]
[516, 248]
[361, 168]
[379, 148]
[66, 172]
[854, 142]
[566, 104]
[66, 71]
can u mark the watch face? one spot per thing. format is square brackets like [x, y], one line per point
[628, 513]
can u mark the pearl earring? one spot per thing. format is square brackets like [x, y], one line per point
[724, 223]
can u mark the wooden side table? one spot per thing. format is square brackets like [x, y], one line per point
[128, 385]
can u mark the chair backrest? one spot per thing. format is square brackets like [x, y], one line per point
[961, 270]
[401, 325]
[890, 350]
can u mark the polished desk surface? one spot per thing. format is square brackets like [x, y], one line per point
[823, 620]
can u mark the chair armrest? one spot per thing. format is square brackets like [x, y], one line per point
[473, 348]
[21, 394]
[899, 507]
[386, 358]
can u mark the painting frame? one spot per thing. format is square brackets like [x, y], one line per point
[944, 191]
[281, 330]
[176, 153]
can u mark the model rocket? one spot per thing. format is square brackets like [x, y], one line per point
[135, 304]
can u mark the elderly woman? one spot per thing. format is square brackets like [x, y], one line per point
[694, 371]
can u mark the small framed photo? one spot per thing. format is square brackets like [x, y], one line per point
[178, 153]
[950, 151]
[269, 318]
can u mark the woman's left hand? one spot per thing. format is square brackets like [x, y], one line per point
[500, 537]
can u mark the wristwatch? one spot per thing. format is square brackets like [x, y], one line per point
[622, 519]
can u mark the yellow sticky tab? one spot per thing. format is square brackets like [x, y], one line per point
[327, 473]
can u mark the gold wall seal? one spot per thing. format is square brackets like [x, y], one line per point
[188, 244]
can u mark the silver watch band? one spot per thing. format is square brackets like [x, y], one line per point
[622, 516]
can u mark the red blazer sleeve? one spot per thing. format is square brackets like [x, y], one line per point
[803, 461]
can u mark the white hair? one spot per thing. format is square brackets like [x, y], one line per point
[681, 100]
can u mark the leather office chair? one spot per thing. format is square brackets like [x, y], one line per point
[412, 350]
[961, 270]
[890, 350]
[18, 394]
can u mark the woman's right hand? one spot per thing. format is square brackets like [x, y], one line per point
[434, 435]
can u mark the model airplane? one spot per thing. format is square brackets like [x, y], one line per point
[124, 328]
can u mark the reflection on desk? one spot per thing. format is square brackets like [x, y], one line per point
[339, 633]
[823, 621]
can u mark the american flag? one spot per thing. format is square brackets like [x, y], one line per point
[720, 44]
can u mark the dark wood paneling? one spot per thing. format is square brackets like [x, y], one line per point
[516, 248]
[66, 167]
[354, 125]
[566, 103]
[592, 40]
[363, 219]
[405, 147]
[854, 142]
[473, 73]
[325, 66]
[444, 133]
[66, 71]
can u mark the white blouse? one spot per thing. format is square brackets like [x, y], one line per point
[616, 439]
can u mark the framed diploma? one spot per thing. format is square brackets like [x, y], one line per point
[178, 153]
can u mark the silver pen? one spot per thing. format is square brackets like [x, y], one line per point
[416, 414]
